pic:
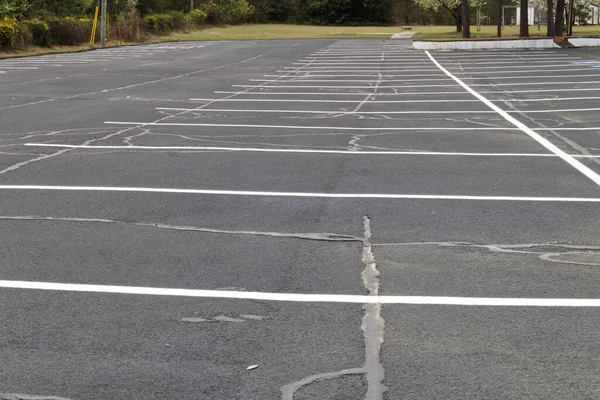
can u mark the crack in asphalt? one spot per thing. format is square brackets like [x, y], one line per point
[326, 237]
[547, 255]
[17, 396]
[372, 326]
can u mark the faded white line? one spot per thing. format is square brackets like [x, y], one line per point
[436, 112]
[536, 136]
[330, 128]
[339, 101]
[301, 151]
[125, 189]
[302, 297]
[221, 110]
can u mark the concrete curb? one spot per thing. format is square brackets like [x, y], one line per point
[584, 42]
[485, 44]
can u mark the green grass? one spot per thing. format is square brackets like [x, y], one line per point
[287, 31]
[449, 32]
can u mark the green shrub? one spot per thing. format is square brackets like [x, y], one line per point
[13, 34]
[130, 26]
[178, 20]
[7, 33]
[196, 18]
[40, 33]
[234, 11]
[68, 31]
[160, 24]
[213, 13]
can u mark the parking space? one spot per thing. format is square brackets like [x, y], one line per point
[358, 219]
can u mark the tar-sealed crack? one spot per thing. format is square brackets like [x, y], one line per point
[17, 396]
[372, 327]
[327, 237]
[546, 251]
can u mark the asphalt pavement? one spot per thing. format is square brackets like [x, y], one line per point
[302, 219]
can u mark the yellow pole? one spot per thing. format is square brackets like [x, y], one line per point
[94, 24]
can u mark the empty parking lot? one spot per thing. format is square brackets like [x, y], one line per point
[358, 219]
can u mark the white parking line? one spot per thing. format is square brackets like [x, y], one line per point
[412, 86]
[312, 127]
[276, 111]
[247, 100]
[251, 193]
[301, 151]
[339, 112]
[363, 93]
[536, 136]
[302, 297]
[423, 62]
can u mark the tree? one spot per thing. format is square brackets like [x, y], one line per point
[345, 12]
[549, 18]
[466, 31]
[524, 20]
[559, 22]
[499, 27]
[452, 6]
[13, 9]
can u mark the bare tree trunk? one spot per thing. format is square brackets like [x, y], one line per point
[560, 18]
[499, 31]
[550, 19]
[465, 20]
[524, 23]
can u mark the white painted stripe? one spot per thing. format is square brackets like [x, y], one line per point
[562, 77]
[300, 151]
[327, 112]
[338, 101]
[485, 73]
[452, 57]
[349, 75]
[546, 99]
[302, 297]
[17, 68]
[536, 136]
[318, 69]
[463, 93]
[495, 67]
[424, 112]
[327, 128]
[544, 90]
[390, 196]
[563, 81]
[341, 86]
[302, 79]
[424, 61]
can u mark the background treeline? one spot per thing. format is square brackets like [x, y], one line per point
[69, 22]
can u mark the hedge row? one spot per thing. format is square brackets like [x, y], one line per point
[55, 31]
[219, 12]
[15, 34]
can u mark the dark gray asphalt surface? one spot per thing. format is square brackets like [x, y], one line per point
[348, 95]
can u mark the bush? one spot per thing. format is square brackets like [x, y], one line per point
[13, 34]
[68, 31]
[234, 11]
[178, 21]
[213, 13]
[196, 18]
[160, 24]
[40, 33]
[130, 25]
